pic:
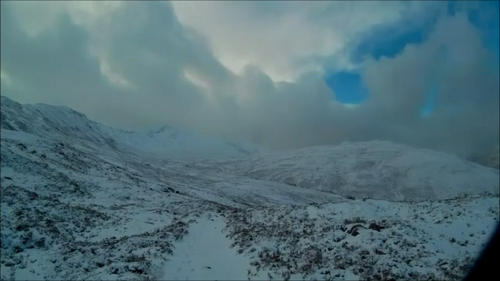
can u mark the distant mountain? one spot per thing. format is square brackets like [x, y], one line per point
[168, 141]
[375, 169]
[491, 159]
[63, 122]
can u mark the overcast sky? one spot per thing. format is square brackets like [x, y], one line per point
[279, 74]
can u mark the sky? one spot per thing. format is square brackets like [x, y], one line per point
[278, 74]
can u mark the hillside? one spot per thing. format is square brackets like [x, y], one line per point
[65, 123]
[491, 159]
[78, 204]
[376, 169]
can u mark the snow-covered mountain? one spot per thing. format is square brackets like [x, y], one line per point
[167, 141]
[63, 122]
[491, 159]
[77, 204]
[376, 169]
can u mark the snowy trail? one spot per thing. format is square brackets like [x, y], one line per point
[205, 254]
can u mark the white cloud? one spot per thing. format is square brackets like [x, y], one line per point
[279, 37]
[36, 17]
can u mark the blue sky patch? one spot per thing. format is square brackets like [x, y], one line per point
[347, 86]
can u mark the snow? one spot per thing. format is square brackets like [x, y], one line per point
[206, 254]
[63, 123]
[374, 169]
[182, 144]
[418, 235]
[20, 136]
[76, 205]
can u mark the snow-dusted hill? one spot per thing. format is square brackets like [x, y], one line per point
[181, 144]
[491, 159]
[76, 204]
[376, 169]
[63, 122]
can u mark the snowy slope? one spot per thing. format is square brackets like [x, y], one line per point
[182, 144]
[491, 159]
[376, 169]
[69, 213]
[63, 122]
[81, 208]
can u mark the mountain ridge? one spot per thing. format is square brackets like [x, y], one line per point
[165, 141]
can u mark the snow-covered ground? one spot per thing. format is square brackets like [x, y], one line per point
[77, 204]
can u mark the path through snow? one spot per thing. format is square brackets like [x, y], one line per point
[205, 254]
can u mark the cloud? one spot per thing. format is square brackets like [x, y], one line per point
[456, 60]
[63, 63]
[281, 37]
[143, 64]
[52, 65]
